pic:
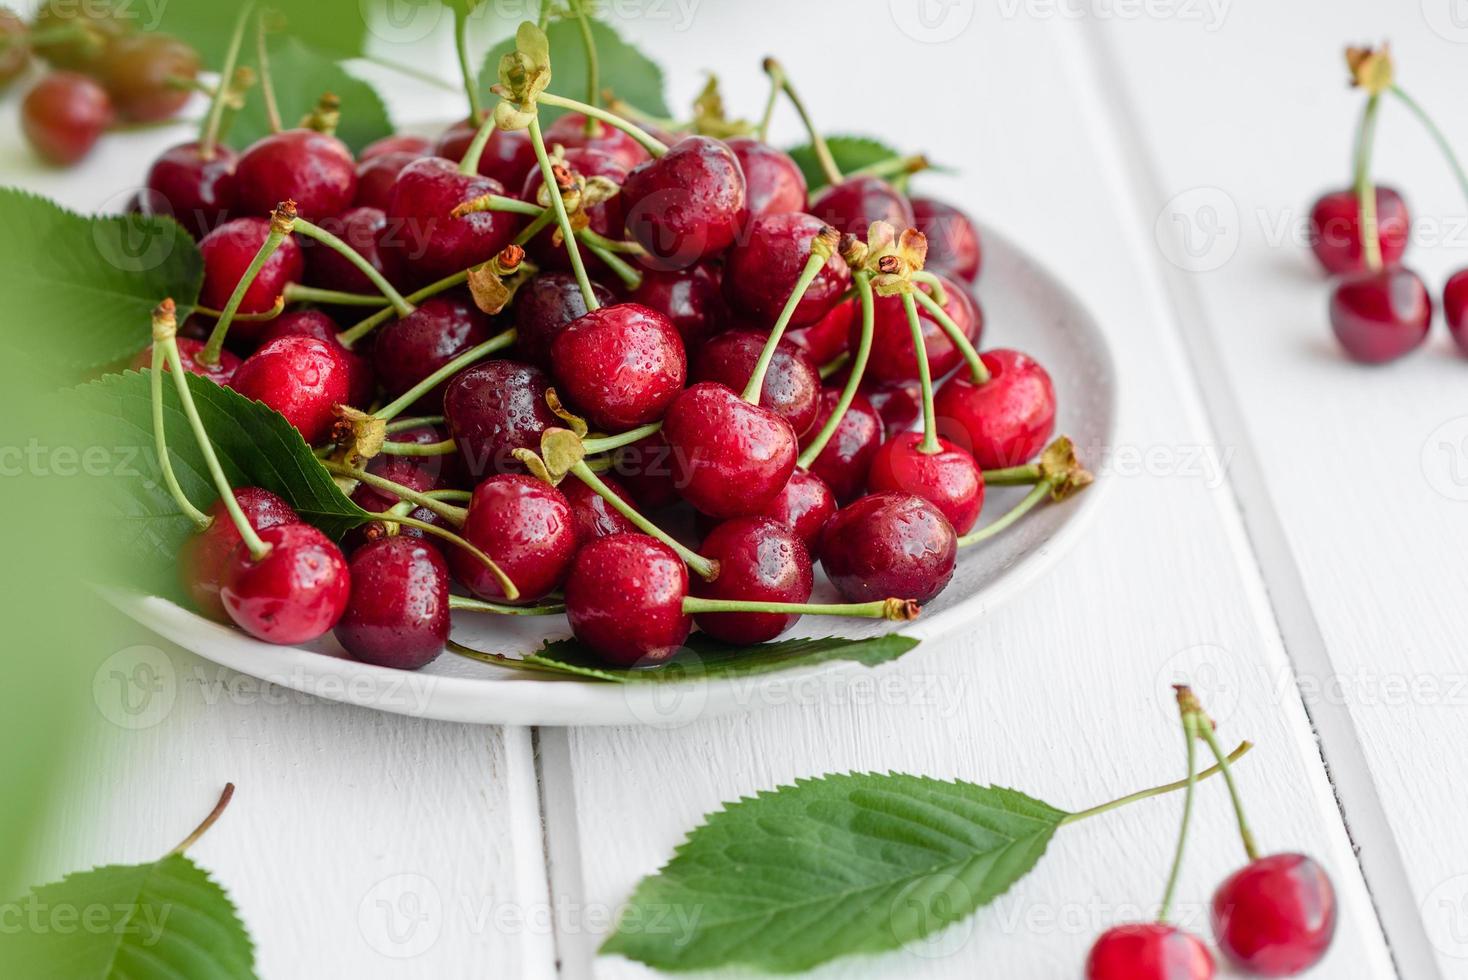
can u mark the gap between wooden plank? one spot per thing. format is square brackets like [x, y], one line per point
[575, 950]
[529, 855]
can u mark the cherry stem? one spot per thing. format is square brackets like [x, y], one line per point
[648, 142]
[1205, 731]
[608, 443]
[1039, 493]
[835, 364]
[467, 604]
[208, 821]
[469, 163]
[897, 610]
[281, 222]
[705, 568]
[959, 339]
[209, 137]
[1436, 134]
[599, 245]
[853, 380]
[357, 331]
[1146, 794]
[1190, 731]
[818, 142]
[1013, 476]
[763, 131]
[324, 237]
[545, 217]
[160, 435]
[474, 354]
[461, 46]
[929, 445]
[258, 548]
[610, 244]
[931, 280]
[593, 64]
[267, 87]
[630, 277]
[450, 513]
[445, 448]
[548, 177]
[499, 659]
[498, 202]
[813, 266]
[296, 293]
[506, 585]
[1365, 191]
[402, 425]
[276, 309]
[463, 495]
[896, 167]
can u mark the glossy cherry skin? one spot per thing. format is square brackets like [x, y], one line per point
[889, 544]
[825, 340]
[361, 382]
[398, 612]
[377, 176]
[620, 365]
[527, 527]
[594, 517]
[605, 218]
[773, 183]
[203, 557]
[313, 169]
[892, 357]
[364, 230]
[196, 192]
[1335, 229]
[1149, 951]
[570, 131]
[188, 349]
[760, 560]
[852, 205]
[141, 73]
[844, 463]
[1455, 308]
[406, 351]
[436, 245]
[763, 266]
[691, 298]
[948, 479]
[953, 241]
[544, 306]
[302, 378]
[686, 205]
[804, 504]
[1275, 917]
[494, 408]
[508, 156]
[64, 115]
[228, 251]
[624, 598]
[1004, 422]
[900, 403]
[1379, 316]
[397, 143]
[734, 457]
[295, 593]
[792, 385]
[650, 471]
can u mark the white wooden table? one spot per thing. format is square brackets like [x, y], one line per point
[1285, 529]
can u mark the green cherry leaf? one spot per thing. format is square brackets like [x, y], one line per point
[850, 152]
[301, 75]
[850, 863]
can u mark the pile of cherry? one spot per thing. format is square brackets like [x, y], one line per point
[550, 362]
[1380, 309]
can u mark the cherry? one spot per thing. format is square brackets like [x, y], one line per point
[953, 241]
[1335, 229]
[892, 356]
[102, 26]
[846, 458]
[313, 169]
[852, 205]
[527, 527]
[302, 378]
[508, 156]
[544, 306]
[804, 504]
[195, 191]
[378, 175]
[221, 373]
[364, 229]
[1379, 316]
[438, 245]
[406, 351]
[15, 52]
[621, 365]
[64, 115]
[570, 131]
[605, 218]
[228, 251]
[595, 518]
[1149, 951]
[420, 146]
[686, 205]
[1455, 308]
[691, 298]
[773, 182]
[734, 456]
[827, 338]
[141, 73]
[1005, 421]
[494, 408]
[759, 560]
[313, 323]
[948, 479]
[292, 594]
[764, 265]
[203, 557]
[1276, 916]
[650, 471]
[624, 598]
[900, 403]
[889, 544]
[398, 613]
[792, 385]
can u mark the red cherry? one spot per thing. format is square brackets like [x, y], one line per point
[378, 175]
[295, 593]
[624, 598]
[804, 504]
[621, 365]
[760, 560]
[196, 192]
[313, 169]
[508, 156]
[889, 544]
[1149, 951]
[900, 403]
[948, 479]
[64, 115]
[15, 53]
[203, 557]
[313, 323]
[96, 26]
[605, 218]
[844, 463]
[397, 143]
[526, 526]
[892, 357]
[852, 205]
[435, 244]
[302, 378]
[1276, 916]
[364, 230]
[686, 205]
[570, 131]
[763, 266]
[544, 306]
[595, 518]
[494, 408]
[221, 373]
[773, 182]
[406, 351]
[1455, 308]
[228, 251]
[691, 298]
[1379, 316]
[142, 74]
[792, 385]
[826, 339]
[734, 456]
[650, 471]
[398, 613]
[1335, 229]
[953, 241]
[1004, 422]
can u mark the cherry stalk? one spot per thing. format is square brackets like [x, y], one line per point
[863, 283]
[209, 135]
[781, 81]
[282, 223]
[822, 247]
[165, 328]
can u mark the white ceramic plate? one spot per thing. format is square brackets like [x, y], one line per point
[1025, 307]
